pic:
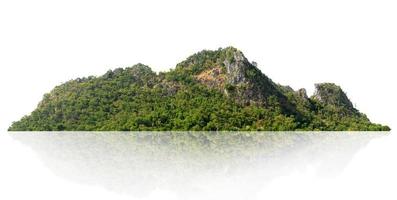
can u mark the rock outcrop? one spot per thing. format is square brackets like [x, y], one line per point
[332, 94]
[237, 66]
[249, 84]
[302, 93]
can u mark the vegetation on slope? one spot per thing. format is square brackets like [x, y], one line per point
[211, 90]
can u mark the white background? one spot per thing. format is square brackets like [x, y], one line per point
[298, 43]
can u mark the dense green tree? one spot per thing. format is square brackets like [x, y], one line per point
[211, 90]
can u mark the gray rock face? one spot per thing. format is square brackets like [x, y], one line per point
[331, 94]
[252, 86]
[242, 75]
[236, 67]
[302, 93]
[230, 71]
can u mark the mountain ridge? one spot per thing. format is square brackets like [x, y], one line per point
[210, 90]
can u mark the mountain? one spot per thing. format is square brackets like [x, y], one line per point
[210, 90]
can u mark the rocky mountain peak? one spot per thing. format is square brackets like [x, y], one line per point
[332, 94]
[225, 66]
[302, 93]
[237, 66]
[248, 83]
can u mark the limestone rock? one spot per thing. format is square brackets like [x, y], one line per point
[302, 93]
[332, 94]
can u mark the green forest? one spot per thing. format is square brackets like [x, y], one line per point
[216, 90]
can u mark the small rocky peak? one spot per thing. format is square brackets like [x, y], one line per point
[140, 69]
[246, 82]
[237, 66]
[229, 70]
[332, 94]
[225, 66]
[302, 93]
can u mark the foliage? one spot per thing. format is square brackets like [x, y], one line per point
[136, 98]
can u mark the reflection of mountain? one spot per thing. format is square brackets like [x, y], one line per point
[198, 163]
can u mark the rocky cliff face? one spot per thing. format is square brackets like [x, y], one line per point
[232, 73]
[302, 93]
[332, 94]
[237, 67]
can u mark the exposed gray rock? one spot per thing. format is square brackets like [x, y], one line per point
[331, 94]
[251, 85]
[302, 93]
[236, 66]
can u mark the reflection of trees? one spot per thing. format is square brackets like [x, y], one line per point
[138, 162]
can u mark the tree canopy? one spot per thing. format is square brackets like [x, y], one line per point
[211, 90]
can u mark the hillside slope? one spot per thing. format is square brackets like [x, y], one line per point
[210, 90]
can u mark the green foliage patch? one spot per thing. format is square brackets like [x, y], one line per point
[136, 98]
